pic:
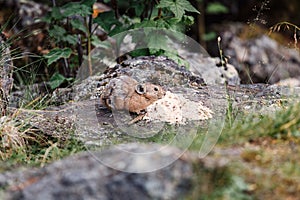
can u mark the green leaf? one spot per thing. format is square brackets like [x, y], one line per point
[56, 80]
[138, 8]
[105, 44]
[156, 41]
[54, 14]
[174, 56]
[177, 7]
[71, 39]
[78, 24]
[56, 54]
[175, 24]
[216, 8]
[60, 34]
[117, 30]
[145, 23]
[89, 3]
[162, 23]
[188, 20]
[75, 8]
[57, 32]
[156, 52]
[107, 20]
[209, 36]
[139, 52]
[170, 23]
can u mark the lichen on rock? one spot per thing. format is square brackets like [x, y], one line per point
[176, 109]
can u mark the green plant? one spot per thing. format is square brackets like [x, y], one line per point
[73, 29]
[216, 8]
[169, 15]
[282, 124]
[208, 9]
[70, 29]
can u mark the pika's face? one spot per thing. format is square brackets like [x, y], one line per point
[150, 91]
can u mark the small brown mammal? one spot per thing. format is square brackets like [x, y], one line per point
[125, 93]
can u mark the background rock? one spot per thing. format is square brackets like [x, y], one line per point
[258, 59]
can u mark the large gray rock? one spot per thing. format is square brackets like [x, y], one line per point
[84, 177]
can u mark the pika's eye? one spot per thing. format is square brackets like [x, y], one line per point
[140, 89]
[156, 89]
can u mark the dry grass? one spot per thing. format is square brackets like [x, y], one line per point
[23, 144]
[14, 136]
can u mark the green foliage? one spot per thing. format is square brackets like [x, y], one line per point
[209, 36]
[76, 8]
[71, 34]
[177, 7]
[236, 188]
[222, 184]
[77, 24]
[108, 22]
[281, 124]
[213, 8]
[138, 6]
[216, 8]
[72, 28]
[38, 154]
[56, 54]
[57, 79]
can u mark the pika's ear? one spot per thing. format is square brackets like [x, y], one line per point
[140, 89]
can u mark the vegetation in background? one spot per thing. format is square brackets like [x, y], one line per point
[269, 144]
[74, 27]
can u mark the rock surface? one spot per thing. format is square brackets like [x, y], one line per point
[6, 72]
[84, 177]
[96, 125]
[258, 59]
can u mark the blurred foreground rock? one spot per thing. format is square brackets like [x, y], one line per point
[84, 177]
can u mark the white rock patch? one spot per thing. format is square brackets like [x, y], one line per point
[175, 109]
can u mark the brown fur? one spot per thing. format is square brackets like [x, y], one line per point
[121, 93]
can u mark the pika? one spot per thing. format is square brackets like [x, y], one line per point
[125, 93]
